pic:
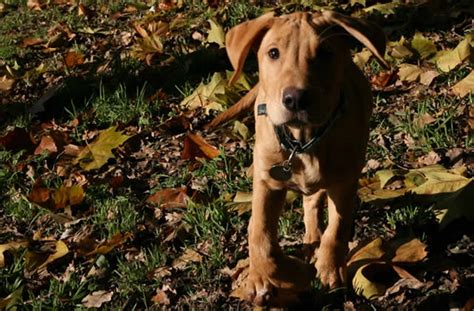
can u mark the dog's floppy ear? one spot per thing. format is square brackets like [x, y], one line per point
[240, 39]
[365, 32]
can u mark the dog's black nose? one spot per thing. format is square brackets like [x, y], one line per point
[292, 98]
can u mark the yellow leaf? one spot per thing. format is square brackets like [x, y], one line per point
[440, 182]
[108, 245]
[449, 60]
[409, 72]
[36, 261]
[216, 33]
[76, 195]
[241, 130]
[400, 51]
[384, 8]
[385, 176]
[10, 246]
[13, 300]
[363, 281]
[204, 95]
[361, 58]
[458, 204]
[242, 202]
[423, 46]
[97, 153]
[465, 86]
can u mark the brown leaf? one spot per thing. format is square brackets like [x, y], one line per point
[27, 42]
[34, 5]
[97, 299]
[382, 79]
[427, 77]
[6, 84]
[82, 10]
[108, 245]
[47, 145]
[170, 198]
[424, 119]
[465, 86]
[430, 159]
[39, 194]
[68, 196]
[409, 72]
[195, 146]
[369, 251]
[188, 256]
[410, 252]
[73, 59]
[161, 298]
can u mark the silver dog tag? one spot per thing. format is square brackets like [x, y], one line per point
[281, 172]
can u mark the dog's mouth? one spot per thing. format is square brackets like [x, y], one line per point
[298, 119]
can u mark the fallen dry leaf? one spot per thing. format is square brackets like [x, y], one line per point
[448, 60]
[108, 245]
[216, 33]
[46, 145]
[6, 84]
[188, 256]
[170, 198]
[39, 194]
[195, 146]
[409, 72]
[424, 46]
[97, 153]
[465, 86]
[361, 58]
[68, 196]
[410, 252]
[27, 42]
[97, 299]
[373, 273]
[8, 247]
[36, 261]
[73, 59]
[160, 298]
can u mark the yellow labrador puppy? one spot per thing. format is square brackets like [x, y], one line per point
[312, 110]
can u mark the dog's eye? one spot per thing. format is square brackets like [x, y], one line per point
[274, 53]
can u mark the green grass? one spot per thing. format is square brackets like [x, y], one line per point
[118, 107]
[441, 133]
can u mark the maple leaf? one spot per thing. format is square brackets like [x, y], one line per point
[97, 153]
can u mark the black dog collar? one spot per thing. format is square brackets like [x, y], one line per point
[289, 143]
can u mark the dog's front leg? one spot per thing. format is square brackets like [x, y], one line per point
[271, 272]
[331, 256]
[313, 221]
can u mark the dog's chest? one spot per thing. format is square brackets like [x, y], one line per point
[306, 174]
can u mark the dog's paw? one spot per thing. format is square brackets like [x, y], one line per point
[331, 269]
[278, 282]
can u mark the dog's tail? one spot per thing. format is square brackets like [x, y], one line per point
[236, 110]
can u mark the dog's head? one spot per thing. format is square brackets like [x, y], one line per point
[301, 59]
